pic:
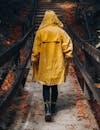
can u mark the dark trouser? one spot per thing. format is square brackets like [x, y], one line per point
[47, 94]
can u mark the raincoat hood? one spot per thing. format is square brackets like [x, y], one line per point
[50, 18]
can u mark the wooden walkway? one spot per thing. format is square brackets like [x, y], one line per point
[74, 113]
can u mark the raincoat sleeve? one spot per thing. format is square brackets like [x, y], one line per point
[67, 46]
[36, 49]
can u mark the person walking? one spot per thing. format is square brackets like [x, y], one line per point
[52, 50]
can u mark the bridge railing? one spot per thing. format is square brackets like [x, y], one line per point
[11, 56]
[90, 53]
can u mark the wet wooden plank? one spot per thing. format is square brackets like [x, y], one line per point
[73, 110]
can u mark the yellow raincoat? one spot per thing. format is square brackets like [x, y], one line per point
[52, 46]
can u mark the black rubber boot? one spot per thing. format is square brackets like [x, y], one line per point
[48, 112]
[53, 108]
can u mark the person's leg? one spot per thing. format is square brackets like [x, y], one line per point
[54, 96]
[54, 93]
[46, 93]
[46, 97]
